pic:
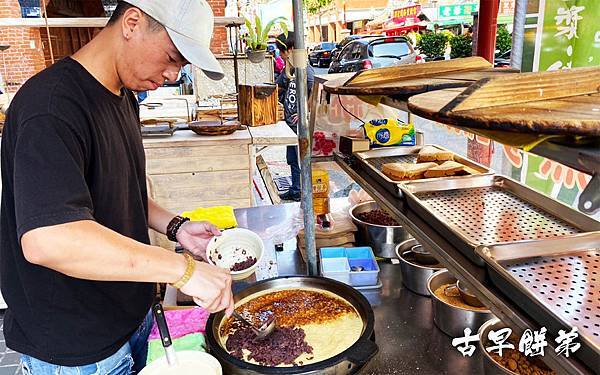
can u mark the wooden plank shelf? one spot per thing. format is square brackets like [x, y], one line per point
[412, 79]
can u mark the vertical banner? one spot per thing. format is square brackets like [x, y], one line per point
[570, 34]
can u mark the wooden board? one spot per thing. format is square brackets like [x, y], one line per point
[576, 115]
[198, 164]
[328, 242]
[187, 138]
[527, 88]
[418, 85]
[413, 78]
[271, 135]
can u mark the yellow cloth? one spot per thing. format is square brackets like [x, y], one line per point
[221, 216]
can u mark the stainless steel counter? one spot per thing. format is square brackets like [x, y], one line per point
[474, 277]
[409, 342]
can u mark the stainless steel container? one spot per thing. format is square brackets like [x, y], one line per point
[490, 367]
[383, 239]
[453, 320]
[414, 275]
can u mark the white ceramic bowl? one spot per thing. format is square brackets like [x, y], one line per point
[230, 245]
[189, 363]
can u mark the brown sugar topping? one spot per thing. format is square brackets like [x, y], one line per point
[292, 308]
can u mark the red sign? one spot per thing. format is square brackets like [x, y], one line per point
[410, 14]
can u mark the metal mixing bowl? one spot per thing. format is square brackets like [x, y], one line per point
[453, 320]
[382, 239]
[414, 275]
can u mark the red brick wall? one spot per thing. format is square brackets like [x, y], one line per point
[21, 60]
[219, 43]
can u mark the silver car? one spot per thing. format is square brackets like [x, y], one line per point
[372, 53]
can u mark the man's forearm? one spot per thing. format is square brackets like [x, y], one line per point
[88, 250]
[158, 217]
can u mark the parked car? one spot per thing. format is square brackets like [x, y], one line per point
[367, 53]
[338, 47]
[321, 54]
[502, 60]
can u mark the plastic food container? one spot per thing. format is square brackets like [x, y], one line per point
[336, 268]
[355, 266]
[233, 246]
[189, 362]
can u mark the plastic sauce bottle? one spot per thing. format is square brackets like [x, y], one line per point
[320, 189]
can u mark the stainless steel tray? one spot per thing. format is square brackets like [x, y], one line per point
[557, 282]
[489, 210]
[375, 159]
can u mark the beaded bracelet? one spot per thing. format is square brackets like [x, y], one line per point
[174, 226]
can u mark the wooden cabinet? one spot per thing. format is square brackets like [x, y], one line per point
[187, 171]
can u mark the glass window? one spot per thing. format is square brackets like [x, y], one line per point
[328, 46]
[346, 52]
[390, 49]
[357, 51]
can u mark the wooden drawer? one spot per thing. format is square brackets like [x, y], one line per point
[195, 186]
[197, 164]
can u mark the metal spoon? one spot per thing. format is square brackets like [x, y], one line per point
[262, 332]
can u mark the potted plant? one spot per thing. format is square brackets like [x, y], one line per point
[257, 37]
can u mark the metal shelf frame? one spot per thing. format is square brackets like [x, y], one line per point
[474, 276]
[583, 158]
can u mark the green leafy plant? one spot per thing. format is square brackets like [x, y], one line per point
[503, 39]
[461, 46]
[433, 44]
[257, 37]
[314, 6]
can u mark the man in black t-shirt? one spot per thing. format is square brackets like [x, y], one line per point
[76, 262]
[288, 97]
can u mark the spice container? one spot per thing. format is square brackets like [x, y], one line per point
[450, 313]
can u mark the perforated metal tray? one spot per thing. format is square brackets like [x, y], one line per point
[375, 159]
[557, 282]
[488, 210]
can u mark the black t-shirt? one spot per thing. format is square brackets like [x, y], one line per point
[71, 150]
[289, 96]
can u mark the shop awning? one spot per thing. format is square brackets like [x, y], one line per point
[392, 31]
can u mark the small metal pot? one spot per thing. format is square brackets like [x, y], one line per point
[382, 239]
[423, 256]
[453, 320]
[490, 366]
[414, 275]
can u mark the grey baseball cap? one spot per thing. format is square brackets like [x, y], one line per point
[190, 24]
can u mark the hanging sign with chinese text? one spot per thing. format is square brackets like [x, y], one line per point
[407, 15]
[570, 35]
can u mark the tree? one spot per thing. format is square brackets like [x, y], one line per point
[503, 39]
[433, 44]
[461, 46]
[313, 6]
